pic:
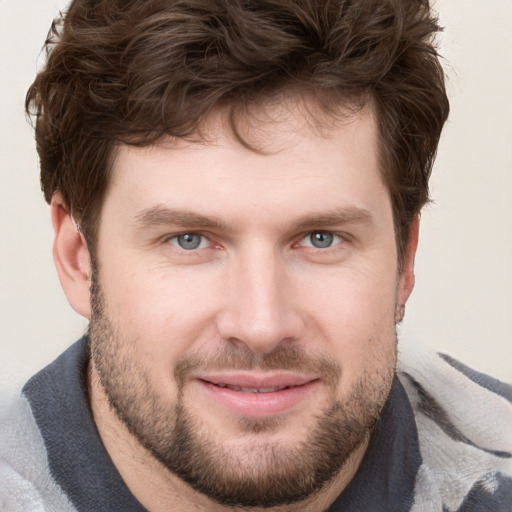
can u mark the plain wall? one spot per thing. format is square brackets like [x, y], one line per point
[462, 303]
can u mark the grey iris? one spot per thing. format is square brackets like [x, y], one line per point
[189, 242]
[321, 240]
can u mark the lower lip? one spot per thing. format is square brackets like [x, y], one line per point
[258, 405]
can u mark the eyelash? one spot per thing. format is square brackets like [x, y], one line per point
[171, 238]
[342, 238]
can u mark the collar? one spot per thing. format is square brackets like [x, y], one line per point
[77, 459]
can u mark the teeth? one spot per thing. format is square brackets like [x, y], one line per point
[251, 390]
[269, 390]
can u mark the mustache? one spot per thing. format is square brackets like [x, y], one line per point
[235, 357]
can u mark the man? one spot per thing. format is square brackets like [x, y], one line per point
[235, 189]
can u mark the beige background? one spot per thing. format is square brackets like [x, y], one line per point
[463, 298]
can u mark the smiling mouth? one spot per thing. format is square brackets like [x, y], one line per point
[251, 390]
[258, 399]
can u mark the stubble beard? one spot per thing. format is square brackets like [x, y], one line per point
[266, 474]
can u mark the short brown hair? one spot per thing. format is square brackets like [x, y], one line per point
[133, 71]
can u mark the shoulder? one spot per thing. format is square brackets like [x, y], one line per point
[25, 480]
[464, 421]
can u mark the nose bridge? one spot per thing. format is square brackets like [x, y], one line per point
[258, 311]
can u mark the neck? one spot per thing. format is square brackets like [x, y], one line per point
[159, 490]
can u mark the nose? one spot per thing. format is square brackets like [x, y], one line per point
[259, 309]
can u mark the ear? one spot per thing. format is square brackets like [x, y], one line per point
[71, 257]
[406, 278]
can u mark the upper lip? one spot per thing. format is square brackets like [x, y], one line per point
[254, 380]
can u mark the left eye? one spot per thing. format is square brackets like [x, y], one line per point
[189, 241]
[321, 240]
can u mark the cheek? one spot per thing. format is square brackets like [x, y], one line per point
[162, 312]
[355, 318]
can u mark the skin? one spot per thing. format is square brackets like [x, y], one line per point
[256, 283]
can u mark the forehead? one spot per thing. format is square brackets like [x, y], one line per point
[287, 158]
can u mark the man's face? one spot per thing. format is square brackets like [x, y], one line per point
[243, 320]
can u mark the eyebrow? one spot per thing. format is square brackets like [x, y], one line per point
[338, 217]
[163, 216]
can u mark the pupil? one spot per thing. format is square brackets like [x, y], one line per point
[321, 240]
[189, 241]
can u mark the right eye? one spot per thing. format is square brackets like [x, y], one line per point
[189, 241]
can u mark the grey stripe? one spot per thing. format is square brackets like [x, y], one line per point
[433, 410]
[494, 385]
[26, 484]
